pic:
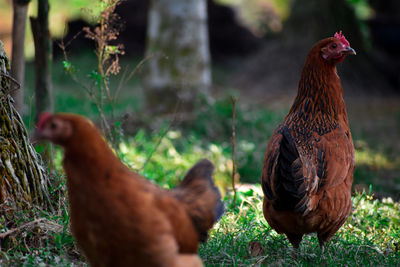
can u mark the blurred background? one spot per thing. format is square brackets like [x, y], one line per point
[256, 52]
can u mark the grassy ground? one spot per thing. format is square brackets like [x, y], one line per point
[370, 237]
[242, 237]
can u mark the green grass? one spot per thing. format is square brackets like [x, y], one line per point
[370, 237]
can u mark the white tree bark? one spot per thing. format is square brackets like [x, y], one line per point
[179, 67]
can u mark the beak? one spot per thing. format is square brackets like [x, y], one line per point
[349, 51]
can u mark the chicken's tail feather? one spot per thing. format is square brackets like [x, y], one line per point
[200, 197]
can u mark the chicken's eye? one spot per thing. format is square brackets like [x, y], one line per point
[334, 45]
[53, 125]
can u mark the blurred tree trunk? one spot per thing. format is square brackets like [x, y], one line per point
[18, 58]
[22, 179]
[179, 69]
[43, 58]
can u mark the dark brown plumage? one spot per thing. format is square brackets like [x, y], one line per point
[309, 162]
[118, 218]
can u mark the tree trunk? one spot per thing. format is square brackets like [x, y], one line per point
[22, 178]
[18, 57]
[180, 66]
[43, 57]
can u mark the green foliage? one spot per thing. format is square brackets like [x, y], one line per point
[71, 9]
[254, 126]
[362, 9]
[167, 163]
[261, 15]
[68, 67]
[378, 165]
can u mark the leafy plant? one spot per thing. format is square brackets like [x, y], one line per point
[107, 54]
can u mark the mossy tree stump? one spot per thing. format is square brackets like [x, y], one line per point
[22, 179]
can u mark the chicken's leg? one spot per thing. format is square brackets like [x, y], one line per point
[295, 240]
[322, 241]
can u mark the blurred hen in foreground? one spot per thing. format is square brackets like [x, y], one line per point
[118, 218]
[308, 167]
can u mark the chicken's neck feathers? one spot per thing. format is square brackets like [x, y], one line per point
[320, 94]
[89, 154]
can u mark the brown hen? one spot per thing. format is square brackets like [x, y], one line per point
[118, 218]
[308, 166]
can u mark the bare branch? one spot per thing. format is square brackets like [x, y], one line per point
[234, 100]
[124, 80]
[9, 232]
[175, 118]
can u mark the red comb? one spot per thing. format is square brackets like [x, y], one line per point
[45, 116]
[341, 37]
